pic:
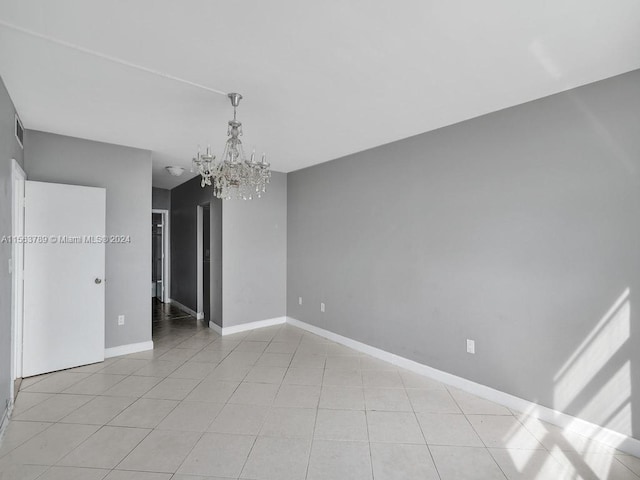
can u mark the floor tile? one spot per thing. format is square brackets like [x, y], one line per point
[212, 390]
[73, 473]
[251, 346]
[303, 376]
[298, 396]
[413, 380]
[240, 419]
[160, 451]
[275, 360]
[448, 429]
[500, 431]
[282, 347]
[125, 366]
[157, 368]
[172, 389]
[301, 360]
[26, 400]
[133, 386]
[127, 475]
[99, 411]
[57, 382]
[339, 460]
[402, 462]
[277, 459]
[18, 433]
[218, 455]
[371, 363]
[95, 384]
[209, 356]
[394, 427]
[376, 378]
[55, 408]
[343, 362]
[49, 446]
[144, 413]
[554, 437]
[465, 463]
[255, 394]
[105, 448]
[289, 422]
[191, 417]
[632, 463]
[344, 425]
[472, 405]
[242, 358]
[387, 399]
[179, 355]
[342, 398]
[593, 466]
[529, 465]
[193, 370]
[344, 378]
[16, 471]
[432, 401]
[266, 375]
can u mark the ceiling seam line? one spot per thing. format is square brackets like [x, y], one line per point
[108, 57]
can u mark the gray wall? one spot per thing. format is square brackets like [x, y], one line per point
[185, 199]
[254, 238]
[126, 174]
[519, 229]
[160, 198]
[9, 148]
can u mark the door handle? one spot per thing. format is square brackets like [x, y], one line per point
[98, 281]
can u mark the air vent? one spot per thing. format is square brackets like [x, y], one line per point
[19, 131]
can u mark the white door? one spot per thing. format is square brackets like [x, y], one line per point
[64, 262]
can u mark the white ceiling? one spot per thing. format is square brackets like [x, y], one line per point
[320, 79]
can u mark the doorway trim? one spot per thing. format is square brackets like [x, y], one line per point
[166, 254]
[18, 179]
[199, 261]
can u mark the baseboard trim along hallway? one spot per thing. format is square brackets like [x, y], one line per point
[247, 326]
[601, 434]
[184, 308]
[128, 349]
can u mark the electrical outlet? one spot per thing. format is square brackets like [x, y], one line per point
[322, 307]
[299, 300]
[120, 319]
[471, 346]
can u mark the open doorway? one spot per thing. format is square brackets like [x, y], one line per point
[18, 179]
[160, 261]
[209, 263]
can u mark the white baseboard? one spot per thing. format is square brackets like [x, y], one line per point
[247, 326]
[4, 420]
[200, 316]
[215, 327]
[185, 309]
[128, 349]
[601, 434]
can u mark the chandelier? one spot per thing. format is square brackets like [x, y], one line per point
[233, 176]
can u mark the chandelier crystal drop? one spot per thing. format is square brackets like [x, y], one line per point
[233, 176]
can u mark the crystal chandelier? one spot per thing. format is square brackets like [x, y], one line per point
[233, 176]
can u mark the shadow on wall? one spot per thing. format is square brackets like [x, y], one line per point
[606, 348]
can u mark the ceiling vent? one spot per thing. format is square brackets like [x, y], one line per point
[19, 132]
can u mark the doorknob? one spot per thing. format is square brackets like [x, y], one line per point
[98, 281]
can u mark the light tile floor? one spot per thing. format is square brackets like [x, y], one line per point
[277, 404]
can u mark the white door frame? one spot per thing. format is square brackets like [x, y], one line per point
[18, 178]
[166, 254]
[199, 260]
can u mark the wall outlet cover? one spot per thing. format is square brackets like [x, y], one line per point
[120, 319]
[471, 346]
